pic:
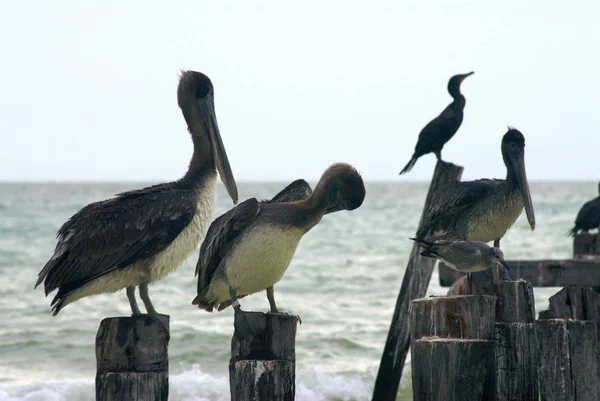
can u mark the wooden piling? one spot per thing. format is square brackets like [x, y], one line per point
[542, 273]
[414, 285]
[263, 357]
[515, 373]
[585, 245]
[569, 342]
[132, 360]
[452, 347]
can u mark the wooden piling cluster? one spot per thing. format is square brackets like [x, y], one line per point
[475, 347]
[414, 285]
[569, 342]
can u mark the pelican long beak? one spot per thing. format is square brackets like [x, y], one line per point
[222, 162]
[518, 162]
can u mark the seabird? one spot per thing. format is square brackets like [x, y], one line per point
[441, 129]
[251, 250]
[140, 236]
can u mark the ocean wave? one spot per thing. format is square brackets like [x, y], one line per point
[196, 385]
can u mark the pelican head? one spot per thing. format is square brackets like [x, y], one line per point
[513, 153]
[195, 96]
[455, 81]
[498, 256]
[343, 188]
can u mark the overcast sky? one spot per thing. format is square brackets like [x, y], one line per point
[88, 89]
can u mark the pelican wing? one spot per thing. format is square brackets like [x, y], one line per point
[297, 190]
[451, 201]
[589, 214]
[115, 233]
[221, 236]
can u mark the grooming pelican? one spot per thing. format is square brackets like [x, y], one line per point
[251, 250]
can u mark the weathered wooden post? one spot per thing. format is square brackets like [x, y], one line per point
[132, 360]
[515, 375]
[414, 285]
[569, 342]
[586, 245]
[263, 357]
[452, 347]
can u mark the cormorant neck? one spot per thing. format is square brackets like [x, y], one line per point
[454, 91]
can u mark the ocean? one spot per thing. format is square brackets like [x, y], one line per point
[343, 282]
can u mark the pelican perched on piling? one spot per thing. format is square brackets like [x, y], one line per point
[441, 129]
[140, 236]
[588, 217]
[483, 210]
[251, 250]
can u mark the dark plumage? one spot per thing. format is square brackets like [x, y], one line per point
[214, 247]
[441, 129]
[482, 210]
[248, 249]
[140, 236]
[588, 217]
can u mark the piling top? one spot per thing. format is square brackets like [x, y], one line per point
[131, 344]
[460, 317]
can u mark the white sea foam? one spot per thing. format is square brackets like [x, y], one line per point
[195, 385]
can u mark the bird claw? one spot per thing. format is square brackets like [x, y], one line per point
[284, 314]
[162, 322]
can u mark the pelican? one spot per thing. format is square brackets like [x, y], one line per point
[441, 129]
[588, 217]
[251, 250]
[483, 210]
[140, 236]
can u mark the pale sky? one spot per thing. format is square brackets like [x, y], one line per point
[88, 89]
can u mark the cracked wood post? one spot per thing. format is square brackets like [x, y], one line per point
[452, 347]
[515, 374]
[414, 285]
[132, 360]
[263, 357]
[569, 341]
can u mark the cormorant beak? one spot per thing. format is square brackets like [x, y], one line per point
[207, 107]
[518, 167]
[462, 78]
[503, 263]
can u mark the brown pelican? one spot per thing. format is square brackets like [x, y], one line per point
[441, 129]
[138, 237]
[297, 190]
[251, 250]
[483, 210]
[588, 217]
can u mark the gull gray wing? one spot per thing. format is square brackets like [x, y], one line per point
[221, 236]
[458, 252]
[114, 234]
